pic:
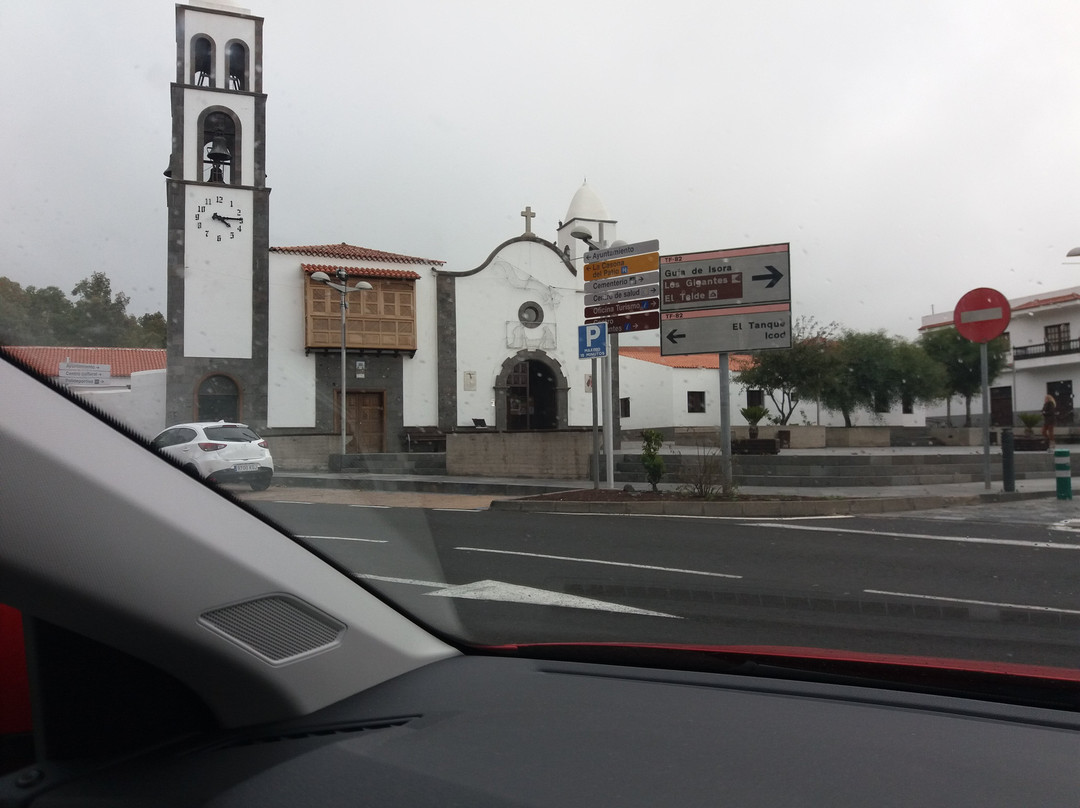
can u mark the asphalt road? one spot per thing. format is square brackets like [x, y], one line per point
[992, 583]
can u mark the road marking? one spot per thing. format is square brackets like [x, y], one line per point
[515, 593]
[598, 561]
[390, 580]
[1071, 525]
[973, 602]
[931, 537]
[372, 507]
[344, 538]
[458, 510]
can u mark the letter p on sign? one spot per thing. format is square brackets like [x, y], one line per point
[592, 340]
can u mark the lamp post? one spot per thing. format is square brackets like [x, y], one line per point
[344, 289]
[583, 233]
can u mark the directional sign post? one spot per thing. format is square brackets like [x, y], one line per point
[622, 293]
[725, 300]
[622, 286]
[980, 316]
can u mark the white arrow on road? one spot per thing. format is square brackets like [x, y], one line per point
[515, 593]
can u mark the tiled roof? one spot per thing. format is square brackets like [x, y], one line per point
[349, 252]
[121, 361]
[1047, 301]
[709, 361]
[362, 272]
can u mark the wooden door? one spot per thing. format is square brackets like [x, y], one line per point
[364, 417]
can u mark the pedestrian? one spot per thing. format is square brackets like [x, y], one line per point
[1049, 412]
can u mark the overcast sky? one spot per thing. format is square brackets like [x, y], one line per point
[909, 151]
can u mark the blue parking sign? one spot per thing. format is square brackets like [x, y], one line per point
[592, 340]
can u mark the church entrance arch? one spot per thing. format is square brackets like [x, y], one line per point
[531, 393]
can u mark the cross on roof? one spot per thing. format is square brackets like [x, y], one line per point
[528, 214]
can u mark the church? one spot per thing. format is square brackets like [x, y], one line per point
[255, 331]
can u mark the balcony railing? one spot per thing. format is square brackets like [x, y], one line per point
[1057, 348]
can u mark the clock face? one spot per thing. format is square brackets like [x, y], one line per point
[218, 218]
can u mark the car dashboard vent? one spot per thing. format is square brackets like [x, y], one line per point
[276, 628]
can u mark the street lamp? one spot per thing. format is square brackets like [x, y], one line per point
[583, 233]
[342, 287]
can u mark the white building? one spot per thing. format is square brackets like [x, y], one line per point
[1044, 358]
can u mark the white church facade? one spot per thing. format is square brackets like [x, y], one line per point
[253, 335]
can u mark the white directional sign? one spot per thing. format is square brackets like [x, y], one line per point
[725, 300]
[752, 328]
[84, 373]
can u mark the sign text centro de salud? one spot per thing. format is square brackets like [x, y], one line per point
[725, 301]
[622, 286]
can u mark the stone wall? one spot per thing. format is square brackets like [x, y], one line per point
[303, 452]
[548, 455]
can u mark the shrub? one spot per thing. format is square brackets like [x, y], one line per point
[651, 441]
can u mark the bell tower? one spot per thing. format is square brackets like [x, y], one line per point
[218, 203]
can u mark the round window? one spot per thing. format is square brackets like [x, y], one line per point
[530, 314]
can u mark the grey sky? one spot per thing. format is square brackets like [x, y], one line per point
[908, 150]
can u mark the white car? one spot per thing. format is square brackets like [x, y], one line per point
[219, 451]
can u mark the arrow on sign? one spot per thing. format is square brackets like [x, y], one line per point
[774, 277]
[673, 336]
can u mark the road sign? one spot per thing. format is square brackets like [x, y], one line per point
[625, 307]
[623, 281]
[649, 262]
[622, 251]
[746, 328]
[620, 285]
[84, 373]
[725, 277]
[592, 340]
[620, 295]
[644, 321]
[725, 300]
[982, 314]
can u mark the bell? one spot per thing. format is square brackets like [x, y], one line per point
[219, 152]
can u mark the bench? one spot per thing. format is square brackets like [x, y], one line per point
[414, 437]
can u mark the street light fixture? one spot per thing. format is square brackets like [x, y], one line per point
[344, 289]
[583, 233]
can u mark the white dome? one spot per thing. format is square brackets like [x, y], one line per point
[587, 205]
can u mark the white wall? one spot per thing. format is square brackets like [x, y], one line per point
[141, 407]
[420, 374]
[290, 381]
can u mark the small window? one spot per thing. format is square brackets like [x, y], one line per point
[530, 314]
[624, 408]
[695, 401]
[755, 398]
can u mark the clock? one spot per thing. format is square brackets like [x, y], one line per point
[218, 217]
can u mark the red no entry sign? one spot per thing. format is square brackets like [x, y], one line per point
[982, 314]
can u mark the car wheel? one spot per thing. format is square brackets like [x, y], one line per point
[262, 483]
[191, 469]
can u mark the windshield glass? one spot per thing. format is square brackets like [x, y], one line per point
[704, 323]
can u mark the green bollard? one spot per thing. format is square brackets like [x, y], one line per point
[1063, 470]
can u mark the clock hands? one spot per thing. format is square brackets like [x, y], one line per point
[226, 219]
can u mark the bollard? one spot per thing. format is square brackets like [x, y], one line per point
[1063, 469]
[1008, 461]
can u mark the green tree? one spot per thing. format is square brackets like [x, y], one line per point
[99, 317]
[874, 371]
[789, 376]
[96, 318]
[960, 359]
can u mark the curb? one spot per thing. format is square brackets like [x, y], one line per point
[764, 508]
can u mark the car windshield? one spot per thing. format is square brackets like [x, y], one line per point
[230, 433]
[698, 324]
